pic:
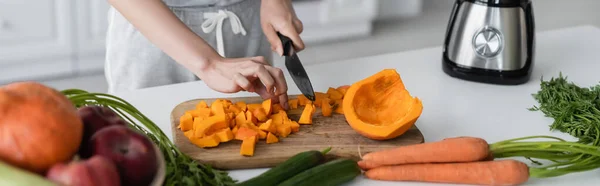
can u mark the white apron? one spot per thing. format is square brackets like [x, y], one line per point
[132, 62]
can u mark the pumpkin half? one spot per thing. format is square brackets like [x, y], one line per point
[379, 107]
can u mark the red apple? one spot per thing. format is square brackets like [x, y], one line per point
[96, 171]
[95, 118]
[132, 152]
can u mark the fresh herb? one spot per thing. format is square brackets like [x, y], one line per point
[575, 110]
[181, 169]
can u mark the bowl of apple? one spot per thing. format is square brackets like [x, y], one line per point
[111, 154]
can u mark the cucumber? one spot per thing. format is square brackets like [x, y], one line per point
[13, 176]
[332, 173]
[294, 165]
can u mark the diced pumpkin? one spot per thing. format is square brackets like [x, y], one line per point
[234, 109]
[240, 118]
[283, 114]
[197, 122]
[334, 93]
[248, 145]
[342, 89]
[210, 125]
[250, 126]
[217, 108]
[338, 106]
[250, 117]
[277, 119]
[201, 104]
[302, 100]
[271, 138]
[225, 135]
[267, 106]
[326, 109]
[319, 96]
[379, 107]
[234, 130]
[260, 114]
[307, 113]
[294, 126]
[268, 126]
[189, 134]
[262, 134]
[277, 107]
[244, 132]
[293, 103]
[207, 141]
[284, 130]
[186, 122]
[241, 105]
[254, 106]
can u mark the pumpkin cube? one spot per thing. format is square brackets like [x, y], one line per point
[186, 122]
[234, 131]
[254, 106]
[262, 134]
[326, 109]
[206, 141]
[250, 126]
[241, 105]
[203, 112]
[277, 107]
[260, 114]
[334, 93]
[267, 106]
[284, 130]
[293, 103]
[302, 100]
[217, 108]
[277, 119]
[271, 138]
[240, 118]
[225, 135]
[244, 132]
[338, 106]
[189, 134]
[343, 89]
[250, 118]
[248, 146]
[268, 126]
[234, 109]
[294, 126]
[201, 104]
[307, 113]
[210, 125]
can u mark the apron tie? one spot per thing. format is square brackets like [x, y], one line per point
[216, 20]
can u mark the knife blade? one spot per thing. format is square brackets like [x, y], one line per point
[295, 68]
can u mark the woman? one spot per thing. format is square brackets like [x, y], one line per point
[154, 42]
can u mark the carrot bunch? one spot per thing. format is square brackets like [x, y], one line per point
[459, 160]
[471, 160]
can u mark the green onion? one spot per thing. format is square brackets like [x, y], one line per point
[181, 169]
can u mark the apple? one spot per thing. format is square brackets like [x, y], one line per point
[132, 152]
[96, 171]
[95, 118]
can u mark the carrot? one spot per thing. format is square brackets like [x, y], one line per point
[501, 172]
[449, 150]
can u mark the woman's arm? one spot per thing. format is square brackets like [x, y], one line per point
[157, 23]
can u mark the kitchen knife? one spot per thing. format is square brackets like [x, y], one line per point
[294, 66]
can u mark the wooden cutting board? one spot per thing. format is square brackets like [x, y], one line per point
[325, 132]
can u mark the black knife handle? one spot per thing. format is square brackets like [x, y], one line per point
[286, 43]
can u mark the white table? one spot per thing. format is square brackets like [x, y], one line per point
[452, 107]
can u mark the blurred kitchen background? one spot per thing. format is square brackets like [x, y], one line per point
[61, 42]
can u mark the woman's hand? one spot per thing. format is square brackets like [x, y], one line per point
[279, 16]
[254, 74]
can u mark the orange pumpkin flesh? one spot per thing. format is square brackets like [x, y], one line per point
[39, 126]
[379, 107]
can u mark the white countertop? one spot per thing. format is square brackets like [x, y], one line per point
[452, 107]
